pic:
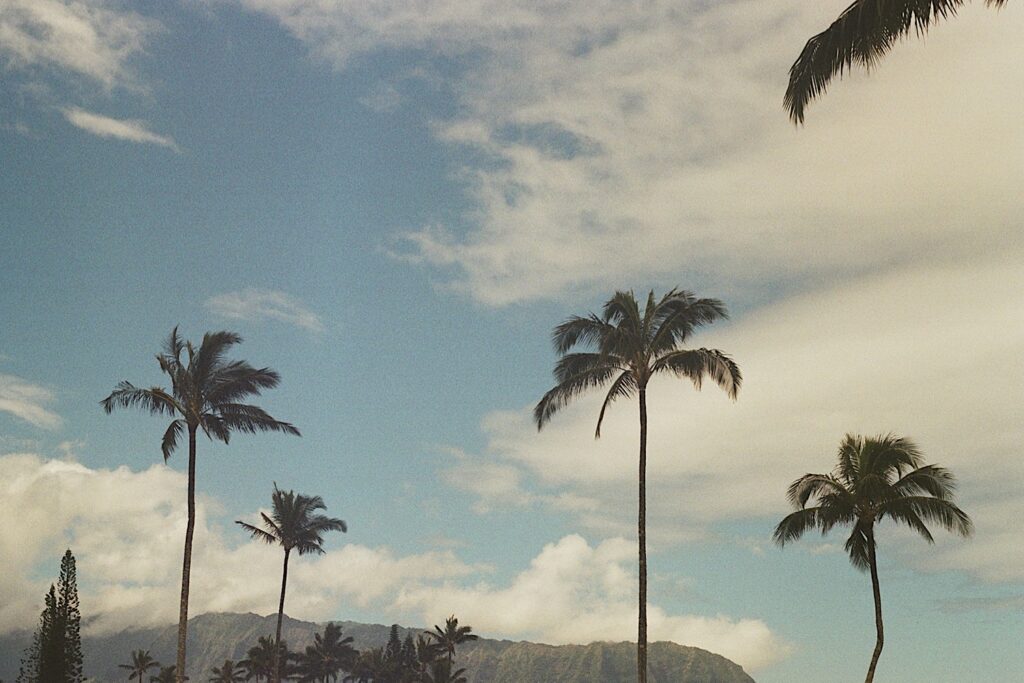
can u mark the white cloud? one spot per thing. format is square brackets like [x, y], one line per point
[575, 593]
[92, 39]
[927, 352]
[258, 304]
[27, 402]
[649, 141]
[121, 129]
[126, 530]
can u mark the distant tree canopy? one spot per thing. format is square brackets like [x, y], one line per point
[55, 655]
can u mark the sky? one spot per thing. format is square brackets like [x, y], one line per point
[395, 201]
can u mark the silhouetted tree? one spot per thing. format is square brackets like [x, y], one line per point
[167, 675]
[228, 672]
[874, 479]
[327, 657]
[55, 655]
[259, 661]
[629, 347]
[140, 665]
[451, 635]
[205, 392]
[863, 34]
[294, 525]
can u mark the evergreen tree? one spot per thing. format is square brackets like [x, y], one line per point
[55, 655]
[70, 618]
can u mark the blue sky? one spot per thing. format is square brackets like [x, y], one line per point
[394, 203]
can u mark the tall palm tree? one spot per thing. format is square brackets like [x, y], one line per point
[228, 672]
[627, 348]
[450, 636]
[863, 34]
[205, 392]
[294, 525]
[875, 478]
[141, 663]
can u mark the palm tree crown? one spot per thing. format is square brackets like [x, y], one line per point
[451, 635]
[294, 524]
[863, 34]
[874, 479]
[630, 347]
[626, 348]
[228, 672]
[140, 665]
[205, 390]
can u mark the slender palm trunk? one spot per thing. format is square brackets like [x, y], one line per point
[280, 616]
[641, 637]
[879, 638]
[186, 564]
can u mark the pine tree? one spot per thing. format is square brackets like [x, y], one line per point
[55, 655]
[71, 618]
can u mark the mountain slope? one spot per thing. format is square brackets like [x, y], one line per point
[212, 638]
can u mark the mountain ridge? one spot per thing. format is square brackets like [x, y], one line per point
[214, 637]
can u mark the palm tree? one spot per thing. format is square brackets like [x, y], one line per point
[229, 672]
[259, 660]
[631, 347]
[451, 635]
[141, 663]
[863, 33]
[204, 395]
[326, 657]
[875, 478]
[368, 666]
[294, 525]
[167, 675]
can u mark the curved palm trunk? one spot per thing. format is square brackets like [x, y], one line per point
[186, 565]
[280, 616]
[879, 638]
[641, 637]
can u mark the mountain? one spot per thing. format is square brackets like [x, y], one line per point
[212, 638]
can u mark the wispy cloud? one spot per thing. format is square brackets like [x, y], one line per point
[121, 129]
[91, 39]
[625, 141]
[260, 304]
[28, 402]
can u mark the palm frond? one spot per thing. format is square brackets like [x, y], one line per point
[695, 364]
[862, 34]
[931, 479]
[623, 311]
[257, 533]
[934, 510]
[795, 524]
[170, 440]
[579, 330]
[623, 386]
[237, 379]
[814, 485]
[211, 353]
[154, 400]
[568, 389]
[857, 546]
[679, 313]
[250, 420]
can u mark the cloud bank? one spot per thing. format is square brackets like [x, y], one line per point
[126, 529]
